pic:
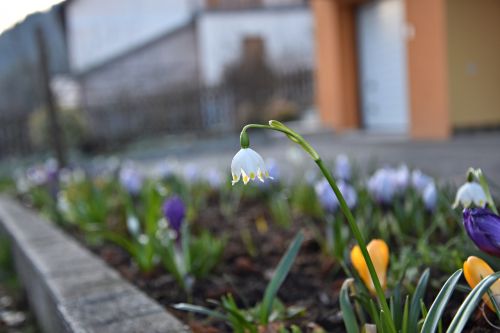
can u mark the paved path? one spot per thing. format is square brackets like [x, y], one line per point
[447, 160]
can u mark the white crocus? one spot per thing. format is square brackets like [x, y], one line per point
[468, 193]
[248, 165]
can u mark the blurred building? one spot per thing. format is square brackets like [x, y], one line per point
[420, 67]
[121, 49]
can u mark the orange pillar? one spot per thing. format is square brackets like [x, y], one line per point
[336, 67]
[427, 69]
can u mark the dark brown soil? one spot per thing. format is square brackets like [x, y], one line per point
[313, 283]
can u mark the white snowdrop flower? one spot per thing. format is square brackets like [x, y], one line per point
[133, 225]
[162, 224]
[23, 184]
[248, 165]
[468, 193]
[143, 239]
[63, 204]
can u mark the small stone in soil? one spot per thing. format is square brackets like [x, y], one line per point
[323, 297]
[244, 265]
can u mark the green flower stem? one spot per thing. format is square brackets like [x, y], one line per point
[484, 184]
[295, 137]
[359, 238]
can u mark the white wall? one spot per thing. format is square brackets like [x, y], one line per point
[287, 35]
[101, 29]
[281, 2]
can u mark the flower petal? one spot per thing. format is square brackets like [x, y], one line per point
[476, 269]
[483, 228]
[249, 165]
[379, 253]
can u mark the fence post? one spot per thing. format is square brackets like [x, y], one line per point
[55, 134]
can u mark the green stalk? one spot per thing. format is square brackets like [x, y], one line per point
[295, 137]
[359, 238]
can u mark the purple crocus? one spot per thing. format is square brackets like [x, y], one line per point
[383, 185]
[483, 227]
[174, 212]
[131, 178]
[430, 196]
[328, 199]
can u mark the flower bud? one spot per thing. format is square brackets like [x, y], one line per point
[483, 227]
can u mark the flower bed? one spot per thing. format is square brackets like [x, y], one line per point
[189, 236]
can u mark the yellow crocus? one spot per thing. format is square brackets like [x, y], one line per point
[379, 254]
[476, 269]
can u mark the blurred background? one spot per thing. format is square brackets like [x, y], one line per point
[92, 76]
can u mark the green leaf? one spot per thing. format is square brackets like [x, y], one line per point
[350, 322]
[397, 306]
[415, 302]
[494, 303]
[484, 184]
[374, 315]
[435, 312]
[237, 317]
[282, 271]
[200, 309]
[185, 243]
[470, 303]
[404, 325]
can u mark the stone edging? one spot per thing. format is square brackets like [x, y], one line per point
[71, 290]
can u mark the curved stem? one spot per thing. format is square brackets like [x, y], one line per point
[295, 137]
[292, 135]
[359, 237]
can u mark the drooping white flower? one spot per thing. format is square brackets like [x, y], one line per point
[133, 225]
[468, 193]
[63, 204]
[248, 165]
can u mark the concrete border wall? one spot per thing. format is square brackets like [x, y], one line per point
[69, 288]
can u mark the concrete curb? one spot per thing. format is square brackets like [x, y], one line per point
[70, 289]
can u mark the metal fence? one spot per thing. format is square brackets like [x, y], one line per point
[115, 121]
[14, 134]
[187, 109]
